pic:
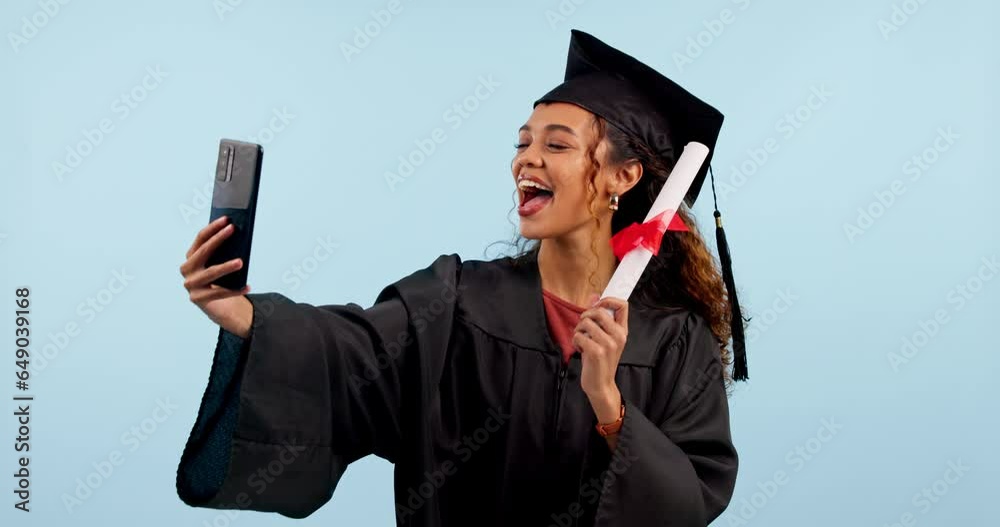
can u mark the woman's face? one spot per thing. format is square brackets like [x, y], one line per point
[553, 152]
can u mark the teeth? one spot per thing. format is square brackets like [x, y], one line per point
[525, 183]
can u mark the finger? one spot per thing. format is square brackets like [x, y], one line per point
[615, 334]
[621, 316]
[202, 253]
[607, 323]
[195, 259]
[601, 317]
[615, 330]
[597, 334]
[585, 345]
[620, 308]
[206, 232]
[600, 307]
[209, 294]
[205, 276]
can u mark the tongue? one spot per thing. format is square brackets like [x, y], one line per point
[535, 203]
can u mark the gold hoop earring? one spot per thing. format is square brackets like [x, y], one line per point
[613, 205]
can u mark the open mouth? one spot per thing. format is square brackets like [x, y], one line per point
[529, 194]
[534, 197]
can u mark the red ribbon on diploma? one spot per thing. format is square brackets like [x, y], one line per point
[647, 234]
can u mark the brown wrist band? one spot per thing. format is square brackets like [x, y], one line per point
[612, 428]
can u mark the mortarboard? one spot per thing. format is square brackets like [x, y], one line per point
[644, 103]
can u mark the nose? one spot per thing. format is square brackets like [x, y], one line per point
[529, 156]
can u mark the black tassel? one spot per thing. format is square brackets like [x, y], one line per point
[739, 340]
[740, 372]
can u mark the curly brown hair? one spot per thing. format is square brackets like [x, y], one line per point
[683, 274]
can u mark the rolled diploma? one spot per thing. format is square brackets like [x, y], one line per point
[627, 274]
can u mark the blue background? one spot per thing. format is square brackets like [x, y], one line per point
[831, 305]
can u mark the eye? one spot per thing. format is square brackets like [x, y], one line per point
[557, 146]
[519, 146]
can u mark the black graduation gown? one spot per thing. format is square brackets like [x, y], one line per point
[452, 376]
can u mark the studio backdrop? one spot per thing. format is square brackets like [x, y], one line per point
[853, 170]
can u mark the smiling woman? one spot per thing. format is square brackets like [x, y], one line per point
[501, 390]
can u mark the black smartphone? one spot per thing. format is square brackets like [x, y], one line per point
[237, 178]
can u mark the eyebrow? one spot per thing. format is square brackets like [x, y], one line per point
[550, 128]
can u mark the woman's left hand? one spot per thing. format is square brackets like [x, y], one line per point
[601, 340]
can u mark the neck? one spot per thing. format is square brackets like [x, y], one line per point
[565, 265]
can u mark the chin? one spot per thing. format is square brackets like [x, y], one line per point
[529, 233]
[532, 231]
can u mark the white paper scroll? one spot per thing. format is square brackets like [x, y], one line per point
[627, 274]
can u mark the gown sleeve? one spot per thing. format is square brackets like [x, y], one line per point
[311, 389]
[676, 464]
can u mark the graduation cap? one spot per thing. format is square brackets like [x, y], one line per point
[644, 103]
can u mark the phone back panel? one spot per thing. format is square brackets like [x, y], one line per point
[237, 180]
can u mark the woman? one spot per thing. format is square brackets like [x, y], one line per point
[500, 391]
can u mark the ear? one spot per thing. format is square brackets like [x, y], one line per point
[626, 177]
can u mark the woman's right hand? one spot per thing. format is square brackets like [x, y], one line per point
[226, 307]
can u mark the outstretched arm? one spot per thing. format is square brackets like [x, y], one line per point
[287, 409]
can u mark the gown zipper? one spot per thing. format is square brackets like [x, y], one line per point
[560, 383]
